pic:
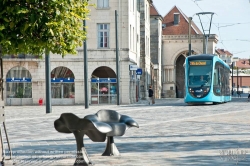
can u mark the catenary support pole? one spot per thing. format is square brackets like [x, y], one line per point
[48, 81]
[232, 78]
[117, 61]
[189, 35]
[237, 80]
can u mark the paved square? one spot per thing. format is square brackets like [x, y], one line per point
[170, 133]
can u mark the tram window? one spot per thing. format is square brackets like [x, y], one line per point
[216, 78]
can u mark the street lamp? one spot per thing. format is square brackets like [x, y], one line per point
[85, 54]
[85, 58]
[206, 35]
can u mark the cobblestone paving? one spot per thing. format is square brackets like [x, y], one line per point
[170, 133]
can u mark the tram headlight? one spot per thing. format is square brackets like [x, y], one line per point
[191, 90]
[206, 90]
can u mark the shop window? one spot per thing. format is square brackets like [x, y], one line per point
[18, 83]
[62, 83]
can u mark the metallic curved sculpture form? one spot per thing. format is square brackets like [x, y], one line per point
[96, 131]
[119, 124]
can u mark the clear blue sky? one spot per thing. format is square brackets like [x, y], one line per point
[231, 21]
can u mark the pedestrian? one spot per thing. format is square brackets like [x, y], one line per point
[239, 95]
[248, 97]
[150, 95]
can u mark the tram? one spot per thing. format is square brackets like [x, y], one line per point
[206, 80]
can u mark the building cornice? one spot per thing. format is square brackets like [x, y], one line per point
[185, 37]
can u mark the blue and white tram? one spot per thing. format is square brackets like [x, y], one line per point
[206, 80]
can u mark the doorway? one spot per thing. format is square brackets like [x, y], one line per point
[103, 86]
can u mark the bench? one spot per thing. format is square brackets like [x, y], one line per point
[119, 124]
[70, 123]
[105, 123]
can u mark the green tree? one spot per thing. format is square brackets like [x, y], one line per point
[33, 26]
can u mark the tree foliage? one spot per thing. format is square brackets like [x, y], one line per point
[31, 26]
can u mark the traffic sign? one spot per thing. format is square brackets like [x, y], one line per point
[139, 71]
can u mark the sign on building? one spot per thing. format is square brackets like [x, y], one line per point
[133, 67]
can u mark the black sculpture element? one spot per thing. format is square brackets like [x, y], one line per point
[119, 123]
[96, 131]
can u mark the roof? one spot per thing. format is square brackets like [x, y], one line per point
[154, 11]
[223, 52]
[182, 27]
[243, 63]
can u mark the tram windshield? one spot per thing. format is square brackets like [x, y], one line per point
[199, 73]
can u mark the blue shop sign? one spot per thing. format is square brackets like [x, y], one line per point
[18, 79]
[139, 71]
[103, 80]
[63, 80]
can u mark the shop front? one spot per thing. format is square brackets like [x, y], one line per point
[18, 86]
[62, 86]
[103, 91]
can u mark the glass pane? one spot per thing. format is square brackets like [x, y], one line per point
[18, 72]
[68, 90]
[103, 93]
[113, 99]
[19, 90]
[62, 72]
[113, 88]
[99, 3]
[105, 3]
[100, 34]
[94, 88]
[56, 90]
[105, 42]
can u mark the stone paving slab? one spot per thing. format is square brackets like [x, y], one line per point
[170, 133]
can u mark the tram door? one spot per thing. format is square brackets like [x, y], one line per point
[103, 91]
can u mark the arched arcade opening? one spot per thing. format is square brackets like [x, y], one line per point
[62, 85]
[103, 86]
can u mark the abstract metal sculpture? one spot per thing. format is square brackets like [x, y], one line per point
[119, 124]
[96, 131]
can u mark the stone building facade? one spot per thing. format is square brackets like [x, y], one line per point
[156, 50]
[145, 78]
[175, 49]
[67, 74]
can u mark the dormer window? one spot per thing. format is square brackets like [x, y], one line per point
[176, 18]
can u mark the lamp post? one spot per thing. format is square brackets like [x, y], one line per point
[85, 69]
[206, 35]
[117, 60]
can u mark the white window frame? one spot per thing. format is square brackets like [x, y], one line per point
[102, 3]
[103, 41]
